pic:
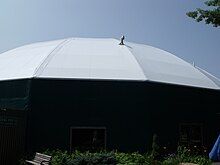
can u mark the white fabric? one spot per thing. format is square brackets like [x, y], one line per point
[22, 62]
[161, 66]
[93, 59]
[100, 59]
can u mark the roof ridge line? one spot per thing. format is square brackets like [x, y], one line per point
[46, 60]
[142, 70]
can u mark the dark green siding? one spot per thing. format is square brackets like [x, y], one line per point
[131, 112]
[14, 94]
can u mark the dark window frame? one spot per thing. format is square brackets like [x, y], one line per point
[191, 124]
[89, 127]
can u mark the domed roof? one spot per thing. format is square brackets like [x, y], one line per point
[86, 58]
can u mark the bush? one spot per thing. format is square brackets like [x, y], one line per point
[184, 156]
[118, 158]
[81, 158]
[133, 158]
[101, 158]
[88, 158]
[59, 157]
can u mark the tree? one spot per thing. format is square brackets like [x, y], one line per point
[210, 16]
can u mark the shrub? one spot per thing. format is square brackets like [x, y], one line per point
[183, 155]
[81, 158]
[133, 158]
[118, 158]
[88, 158]
[59, 157]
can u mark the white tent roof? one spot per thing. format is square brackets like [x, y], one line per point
[78, 58]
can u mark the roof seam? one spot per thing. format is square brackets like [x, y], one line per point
[127, 47]
[46, 60]
[211, 77]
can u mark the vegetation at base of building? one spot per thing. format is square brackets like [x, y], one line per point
[118, 158]
[183, 155]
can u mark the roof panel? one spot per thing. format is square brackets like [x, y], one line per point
[162, 66]
[93, 59]
[22, 62]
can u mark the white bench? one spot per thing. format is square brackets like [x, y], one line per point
[40, 159]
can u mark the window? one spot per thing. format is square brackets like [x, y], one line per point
[87, 138]
[191, 134]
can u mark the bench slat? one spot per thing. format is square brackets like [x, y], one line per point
[32, 162]
[37, 158]
[43, 156]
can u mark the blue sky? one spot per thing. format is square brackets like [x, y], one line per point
[160, 23]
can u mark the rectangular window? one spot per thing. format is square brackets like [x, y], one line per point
[87, 138]
[191, 134]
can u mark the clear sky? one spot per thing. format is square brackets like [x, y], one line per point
[160, 23]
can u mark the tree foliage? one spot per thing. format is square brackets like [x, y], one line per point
[210, 16]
